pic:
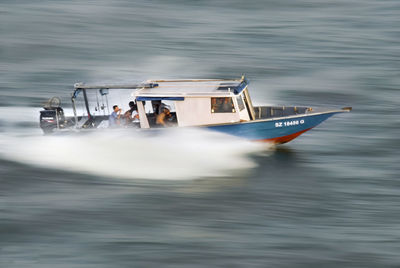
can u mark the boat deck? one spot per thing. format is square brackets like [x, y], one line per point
[265, 112]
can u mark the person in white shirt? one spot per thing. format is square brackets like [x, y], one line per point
[131, 116]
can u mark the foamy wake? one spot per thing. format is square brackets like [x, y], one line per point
[170, 154]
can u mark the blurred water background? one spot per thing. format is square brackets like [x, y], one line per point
[198, 199]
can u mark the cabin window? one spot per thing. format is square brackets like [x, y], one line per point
[222, 105]
[240, 103]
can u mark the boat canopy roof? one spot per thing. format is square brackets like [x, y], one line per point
[199, 87]
[177, 89]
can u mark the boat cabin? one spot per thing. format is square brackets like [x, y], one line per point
[197, 102]
[191, 102]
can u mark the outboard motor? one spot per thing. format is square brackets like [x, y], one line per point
[52, 117]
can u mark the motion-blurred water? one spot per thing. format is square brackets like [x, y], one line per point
[198, 199]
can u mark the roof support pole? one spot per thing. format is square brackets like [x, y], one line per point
[144, 123]
[249, 104]
[86, 103]
[74, 109]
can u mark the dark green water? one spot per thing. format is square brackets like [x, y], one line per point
[328, 199]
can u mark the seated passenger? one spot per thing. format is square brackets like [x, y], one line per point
[214, 105]
[227, 105]
[114, 118]
[162, 117]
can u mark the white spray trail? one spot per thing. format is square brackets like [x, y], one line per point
[173, 154]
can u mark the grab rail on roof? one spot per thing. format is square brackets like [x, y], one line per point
[115, 86]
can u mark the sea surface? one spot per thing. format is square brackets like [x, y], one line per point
[193, 198]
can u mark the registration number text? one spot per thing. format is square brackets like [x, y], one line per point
[289, 123]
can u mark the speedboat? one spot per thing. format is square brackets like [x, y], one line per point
[222, 105]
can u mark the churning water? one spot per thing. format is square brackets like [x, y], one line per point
[197, 198]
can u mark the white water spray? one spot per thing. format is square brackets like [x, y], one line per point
[175, 154]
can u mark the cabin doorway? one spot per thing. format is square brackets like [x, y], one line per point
[158, 113]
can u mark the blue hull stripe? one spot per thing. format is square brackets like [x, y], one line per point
[260, 130]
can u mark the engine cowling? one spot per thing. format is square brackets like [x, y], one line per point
[52, 116]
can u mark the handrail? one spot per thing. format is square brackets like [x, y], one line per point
[192, 80]
[115, 86]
